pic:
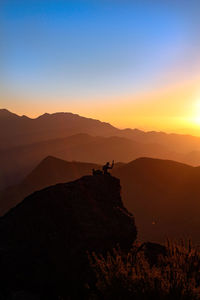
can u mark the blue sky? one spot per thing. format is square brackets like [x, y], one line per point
[88, 51]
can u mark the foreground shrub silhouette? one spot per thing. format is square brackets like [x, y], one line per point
[130, 276]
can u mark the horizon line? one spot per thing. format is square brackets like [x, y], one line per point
[81, 116]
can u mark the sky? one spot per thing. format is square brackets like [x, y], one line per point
[130, 63]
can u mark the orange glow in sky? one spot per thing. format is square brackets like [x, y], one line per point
[130, 63]
[170, 109]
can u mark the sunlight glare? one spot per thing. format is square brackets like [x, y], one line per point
[197, 112]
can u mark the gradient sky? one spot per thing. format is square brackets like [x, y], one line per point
[131, 63]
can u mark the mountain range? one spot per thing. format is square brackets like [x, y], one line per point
[24, 142]
[22, 130]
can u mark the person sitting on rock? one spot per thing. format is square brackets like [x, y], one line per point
[97, 172]
[106, 167]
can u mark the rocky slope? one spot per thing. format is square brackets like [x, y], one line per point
[44, 240]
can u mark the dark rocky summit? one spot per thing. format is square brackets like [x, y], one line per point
[44, 240]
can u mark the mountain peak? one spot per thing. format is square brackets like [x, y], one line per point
[43, 116]
[4, 113]
[52, 170]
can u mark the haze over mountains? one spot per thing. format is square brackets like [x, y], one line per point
[24, 142]
[163, 195]
[22, 130]
[17, 162]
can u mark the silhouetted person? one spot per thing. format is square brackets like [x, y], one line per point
[107, 167]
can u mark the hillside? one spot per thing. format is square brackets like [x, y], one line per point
[164, 196]
[44, 240]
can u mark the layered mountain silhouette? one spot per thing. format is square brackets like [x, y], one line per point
[24, 142]
[163, 195]
[21, 130]
[44, 240]
[17, 162]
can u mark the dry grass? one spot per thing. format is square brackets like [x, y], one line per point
[175, 276]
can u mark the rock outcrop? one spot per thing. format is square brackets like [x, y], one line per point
[50, 171]
[44, 240]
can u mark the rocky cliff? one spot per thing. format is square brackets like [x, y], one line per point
[44, 240]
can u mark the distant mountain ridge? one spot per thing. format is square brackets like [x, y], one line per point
[22, 130]
[17, 162]
[24, 142]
